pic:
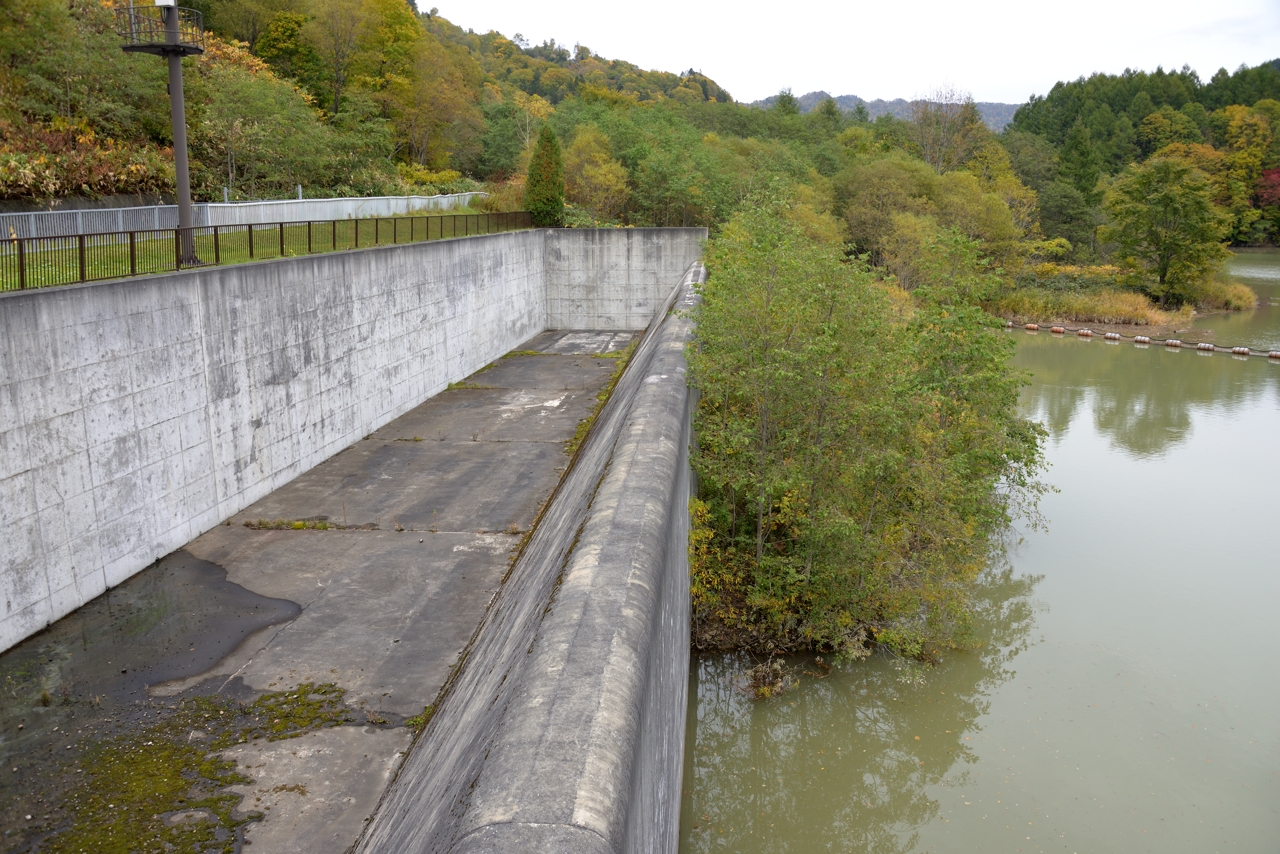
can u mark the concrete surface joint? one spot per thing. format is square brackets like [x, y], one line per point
[564, 730]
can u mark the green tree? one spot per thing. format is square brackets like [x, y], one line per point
[1164, 222]
[283, 47]
[544, 187]
[786, 104]
[501, 143]
[828, 117]
[257, 133]
[1066, 213]
[1166, 126]
[1034, 159]
[245, 20]
[335, 29]
[1080, 164]
[593, 179]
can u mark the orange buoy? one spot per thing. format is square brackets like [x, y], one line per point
[1173, 342]
[1057, 330]
[1206, 346]
[1274, 354]
[1240, 351]
[1085, 333]
[1112, 336]
[1032, 326]
[1141, 339]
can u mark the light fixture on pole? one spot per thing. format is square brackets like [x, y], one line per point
[172, 32]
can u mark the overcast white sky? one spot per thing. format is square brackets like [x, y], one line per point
[999, 50]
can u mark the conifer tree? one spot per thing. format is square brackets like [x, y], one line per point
[544, 189]
[1081, 166]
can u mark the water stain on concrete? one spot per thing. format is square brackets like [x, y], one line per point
[88, 673]
[176, 619]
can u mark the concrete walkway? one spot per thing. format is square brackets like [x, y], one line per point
[423, 517]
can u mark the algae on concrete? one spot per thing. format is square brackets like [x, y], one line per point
[162, 785]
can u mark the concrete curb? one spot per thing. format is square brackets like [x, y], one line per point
[565, 729]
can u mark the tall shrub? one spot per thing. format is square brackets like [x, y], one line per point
[544, 189]
[858, 447]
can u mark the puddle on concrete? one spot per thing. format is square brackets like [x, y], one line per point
[86, 676]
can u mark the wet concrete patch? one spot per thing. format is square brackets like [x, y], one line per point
[386, 613]
[173, 620]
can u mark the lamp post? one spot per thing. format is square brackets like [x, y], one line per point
[172, 32]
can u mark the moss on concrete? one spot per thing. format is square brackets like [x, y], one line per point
[162, 786]
[584, 426]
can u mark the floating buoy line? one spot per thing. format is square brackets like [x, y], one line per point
[1146, 341]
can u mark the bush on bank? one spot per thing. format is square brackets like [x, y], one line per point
[858, 446]
[1106, 294]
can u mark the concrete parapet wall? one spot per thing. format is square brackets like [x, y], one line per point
[613, 278]
[135, 414]
[564, 730]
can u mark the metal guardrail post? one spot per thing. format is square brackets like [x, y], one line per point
[282, 240]
[309, 237]
[22, 265]
[133, 253]
[250, 228]
[80, 246]
[217, 250]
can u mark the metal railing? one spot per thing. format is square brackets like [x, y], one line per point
[145, 29]
[41, 262]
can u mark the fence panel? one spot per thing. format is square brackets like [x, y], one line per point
[153, 217]
[44, 261]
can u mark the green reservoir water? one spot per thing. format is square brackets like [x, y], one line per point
[1126, 698]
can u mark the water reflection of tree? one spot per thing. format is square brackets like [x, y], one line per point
[1142, 400]
[835, 764]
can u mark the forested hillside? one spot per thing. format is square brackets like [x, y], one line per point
[1068, 144]
[341, 96]
[994, 114]
[371, 96]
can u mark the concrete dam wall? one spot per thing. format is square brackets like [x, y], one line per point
[564, 730]
[136, 414]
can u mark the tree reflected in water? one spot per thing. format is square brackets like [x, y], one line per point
[1142, 400]
[842, 762]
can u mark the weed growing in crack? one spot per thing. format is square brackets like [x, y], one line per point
[287, 524]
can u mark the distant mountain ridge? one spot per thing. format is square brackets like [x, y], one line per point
[994, 115]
